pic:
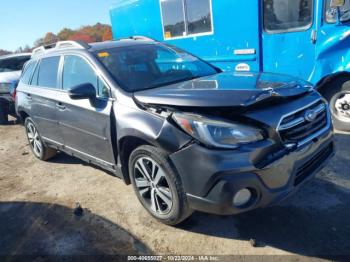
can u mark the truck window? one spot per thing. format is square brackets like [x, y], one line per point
[331, 13]
[183, 18]
[287, 16]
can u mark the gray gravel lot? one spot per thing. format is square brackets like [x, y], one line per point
[37, 201]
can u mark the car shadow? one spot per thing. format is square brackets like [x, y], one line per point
[313, 222]
[41, 229]
[11, 122]
[63, 158]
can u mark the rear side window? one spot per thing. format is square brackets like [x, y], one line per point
[48, 71]
[28, 72]
[77, 71]
[287, 15]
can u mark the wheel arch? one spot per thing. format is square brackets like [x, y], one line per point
[22, 115]
[324, 84]
[126, 146]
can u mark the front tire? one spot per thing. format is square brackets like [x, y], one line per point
[337, 93]
[158, 186]
[39, 149]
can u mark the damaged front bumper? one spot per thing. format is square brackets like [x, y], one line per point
[212, 178]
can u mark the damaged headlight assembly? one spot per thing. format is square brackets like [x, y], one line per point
[217, 133]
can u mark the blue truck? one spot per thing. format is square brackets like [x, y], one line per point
[309, 39]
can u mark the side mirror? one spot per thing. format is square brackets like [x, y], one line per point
[337, 3]
[83, 91]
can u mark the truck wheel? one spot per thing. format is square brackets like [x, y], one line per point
[337, 94]
[39, 149]
[158, 186]
[3, 114]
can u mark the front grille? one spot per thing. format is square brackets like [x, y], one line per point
[313, 164]
[304, 124]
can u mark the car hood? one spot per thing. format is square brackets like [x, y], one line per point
[229, 89]
[9, 77]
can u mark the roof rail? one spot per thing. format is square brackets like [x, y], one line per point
[60, 45]
[38, 50]
[72, 44]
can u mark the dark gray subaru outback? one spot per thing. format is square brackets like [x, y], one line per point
[185, 134]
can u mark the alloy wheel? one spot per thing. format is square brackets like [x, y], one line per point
[34, 139]
[152, 186]
[340, 106]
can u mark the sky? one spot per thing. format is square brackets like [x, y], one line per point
[22, 22]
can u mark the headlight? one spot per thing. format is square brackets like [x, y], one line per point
[217, 133]
[4, 88]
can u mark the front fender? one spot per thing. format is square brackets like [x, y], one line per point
[153, 128]
[332, 53]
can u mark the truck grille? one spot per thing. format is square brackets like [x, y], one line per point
[303, 124]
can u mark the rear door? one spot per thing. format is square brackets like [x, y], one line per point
[289, 37]
[86, 125]
[43, 96]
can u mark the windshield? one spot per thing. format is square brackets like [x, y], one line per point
[13, 64]
[142, 67]
[332, 12]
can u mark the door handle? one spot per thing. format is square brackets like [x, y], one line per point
[29, 96]
[60, 106]
[313, 36]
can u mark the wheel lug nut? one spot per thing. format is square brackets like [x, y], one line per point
[346, 107]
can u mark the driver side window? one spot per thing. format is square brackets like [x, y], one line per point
[287, 15]
[77, 71]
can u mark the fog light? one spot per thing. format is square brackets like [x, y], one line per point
[242, 197]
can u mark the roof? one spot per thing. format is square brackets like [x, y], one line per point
[119, 43]
[79, 45]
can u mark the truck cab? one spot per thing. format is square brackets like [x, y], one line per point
[304, 38]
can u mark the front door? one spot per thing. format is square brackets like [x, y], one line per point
[85, 124]
[289, 36]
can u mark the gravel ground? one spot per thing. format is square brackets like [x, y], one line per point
[37, 201]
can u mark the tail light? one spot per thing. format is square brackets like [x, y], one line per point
[14, 95]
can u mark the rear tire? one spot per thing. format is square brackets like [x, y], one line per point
[39, 149]
[4, 114]
[158, 186]
[337, 93]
